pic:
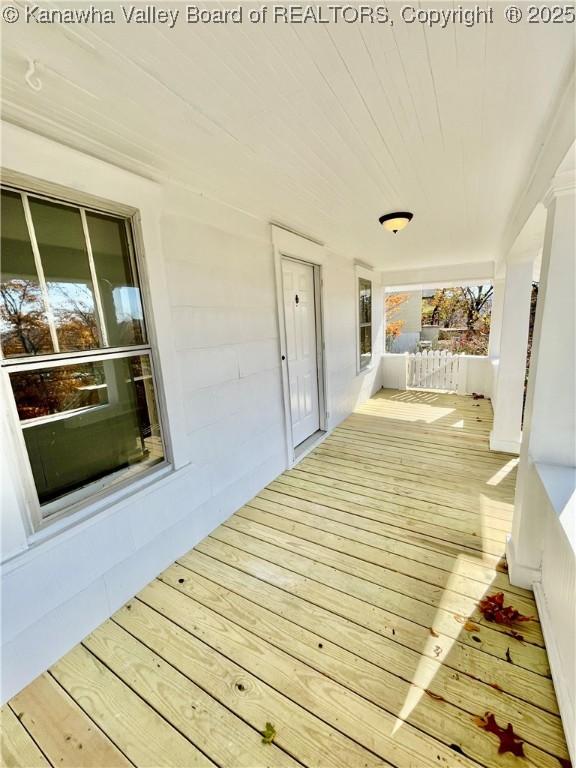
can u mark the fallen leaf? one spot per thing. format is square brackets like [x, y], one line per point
[268, 734]
[496, 687]
[468, 625]
[508, 657]
[433, 632]
[434, 696]
[437, 650]
[509, 741]
[564, 762]
[515, 635]
[493, 609]
[476, 396]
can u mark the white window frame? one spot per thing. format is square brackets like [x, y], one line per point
[361, 273]
[77, 505]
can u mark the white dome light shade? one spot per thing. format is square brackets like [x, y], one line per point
[394, 222]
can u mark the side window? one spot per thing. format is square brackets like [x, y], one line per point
[75, 347]
[364, 323]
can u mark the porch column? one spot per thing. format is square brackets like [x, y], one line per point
[496, 318]
[508, 394]
[550, 414]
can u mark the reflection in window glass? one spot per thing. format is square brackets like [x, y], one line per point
[56, 390]
[62, 247]
[116, 431]
[117, 283]
[23, 322]
[365, 322]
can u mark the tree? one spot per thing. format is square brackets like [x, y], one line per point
[467, 308]
[454, 307]
[392, 304]
[23, 320]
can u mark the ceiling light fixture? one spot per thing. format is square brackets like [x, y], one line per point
[396, 221]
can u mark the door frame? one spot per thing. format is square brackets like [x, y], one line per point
[290, 245]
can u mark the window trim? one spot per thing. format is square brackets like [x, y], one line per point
[360, 275]
[105, 489]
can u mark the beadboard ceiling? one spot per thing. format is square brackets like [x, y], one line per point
[320, 127]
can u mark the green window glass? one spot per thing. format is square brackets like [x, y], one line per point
[365, 322]
[87, 421]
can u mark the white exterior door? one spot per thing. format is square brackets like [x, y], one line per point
[301, 351]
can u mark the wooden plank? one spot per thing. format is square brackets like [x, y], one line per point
[362, 519]
[337, 705]
[461, 656]
[434, 535]
[62, 730]
[212, 728]
[138, 731]
[471, 508]
[386, 650]
[17, 748]
[451, 453]
[369, 494]
[395, 605]
[464, 576]
[385, 689]
[286, 621]
[400, 454]
[358, 559]
[299, 733]
[438, 489]
[374, 461]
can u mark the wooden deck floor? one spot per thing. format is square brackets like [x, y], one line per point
[339, 605]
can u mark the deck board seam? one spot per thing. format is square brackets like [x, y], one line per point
[371, 604]
[147, 703]
[253, 674]
[31, 735]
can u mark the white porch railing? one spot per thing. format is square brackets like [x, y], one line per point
[436, 369]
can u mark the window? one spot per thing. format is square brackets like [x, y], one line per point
[364, 322]
[75, 348]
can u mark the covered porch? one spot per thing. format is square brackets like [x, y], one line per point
[339, 606]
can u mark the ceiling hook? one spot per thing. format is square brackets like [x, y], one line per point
[31, 76]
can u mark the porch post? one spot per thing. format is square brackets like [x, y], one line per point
[550, 414]
[508, 394]
[496, 318]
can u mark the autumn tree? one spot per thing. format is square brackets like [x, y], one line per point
[466, 307]
[392, 304]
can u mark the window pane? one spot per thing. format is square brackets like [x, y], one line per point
[119, 291]
[23, 321]
[365, 289]
[365, 345]
[62, 247]
[96, 419]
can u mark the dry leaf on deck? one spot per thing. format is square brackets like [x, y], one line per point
[493, 609]
[509, 741]
[468, 625]
[434, 696]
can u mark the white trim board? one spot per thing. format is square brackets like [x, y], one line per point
[562, 685]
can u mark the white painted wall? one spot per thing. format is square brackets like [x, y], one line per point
[213, 300]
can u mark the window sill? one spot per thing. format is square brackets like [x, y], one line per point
[98, 508]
